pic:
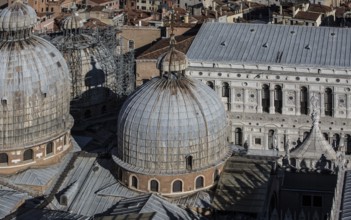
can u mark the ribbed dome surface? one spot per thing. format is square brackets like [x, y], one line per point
[34, 88]
[172, 61]
[72, 22]
[17, 16]
[167, 120]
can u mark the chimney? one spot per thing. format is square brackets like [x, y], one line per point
[213, 5]
[186, 18]
[241, 7]
[281, 10]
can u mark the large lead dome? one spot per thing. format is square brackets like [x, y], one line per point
[34, 89]
[172, 132]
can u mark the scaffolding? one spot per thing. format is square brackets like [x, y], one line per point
[73, 45]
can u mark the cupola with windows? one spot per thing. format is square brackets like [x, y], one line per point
[172, 132]
[34, 80]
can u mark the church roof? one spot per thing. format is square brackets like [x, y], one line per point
[10, 201]
[271, 44]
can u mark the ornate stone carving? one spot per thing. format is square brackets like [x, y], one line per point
[342, 101]
[252, 95]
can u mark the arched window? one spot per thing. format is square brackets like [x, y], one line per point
[348, 143]
[328, 102]
[4, 159]
[305, 135]
[49, 148]
[336, 141]
[189, 162]
[265, 98]
[238, 136]
[278, 100]
[210, 84]
[154, 186]
[199, 182]
[216, 175]
[134, 182]
[87, 114]
[28, 155]
[177, 186]
[225, 90]
[271, 139]
[303, 100]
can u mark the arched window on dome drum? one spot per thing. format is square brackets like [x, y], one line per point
[348, 144]
[49, 148]
[225, 90]
[278, 99]
[303, 100]
[328, 102]
[210, 84]
[177, 186]
[189, 162]
[238, 137]
[265, 98]
[199, 182]
[270, 139]
[154, 186]
[134, 182]
[28, 155]
[4, 159]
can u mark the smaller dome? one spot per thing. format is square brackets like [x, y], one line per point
[72, 22]
[17, 16]
[173, 60]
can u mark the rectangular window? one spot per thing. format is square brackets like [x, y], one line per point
[306, 200]
[317, 201]
[257, 140]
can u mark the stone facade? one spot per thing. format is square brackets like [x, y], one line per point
[267, 100]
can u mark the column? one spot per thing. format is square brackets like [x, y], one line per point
[297, 102]
[334, 107]
[348, 103]
[284, 101]
[271, 101]
[245, 107]
[322, 105]
[309, 108]
[232, 98]
[218, 90]
[330, 138]
[259, 100]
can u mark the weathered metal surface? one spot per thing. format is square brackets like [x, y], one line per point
[168, 119]
[10, 201]
[34, 84]
[272, 44]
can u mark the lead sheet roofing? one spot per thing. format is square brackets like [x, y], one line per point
[271, 44]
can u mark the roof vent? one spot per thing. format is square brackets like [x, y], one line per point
[265, 45]
[223, 43]
[307, 47]
[332, 34]
[252, 30]
[292, 32]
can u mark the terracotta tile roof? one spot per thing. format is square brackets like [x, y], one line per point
[339, 13]
[319, 8]
[100, 1]
[305, 15]
[93, 22]
[183, 44]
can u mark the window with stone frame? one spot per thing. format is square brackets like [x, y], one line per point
[238, 137]
[189, 162]
[4, 159]
[28, 155]
[49, 148]
[303, 100]
[328, 102]
[154, 186]
[134, 182]
[265, 98]
[177, 186]
[199, 182]
[278, 99]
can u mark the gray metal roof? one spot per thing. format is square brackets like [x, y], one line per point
[201, 199]
[98, 190]
[10, 201]
[35, 177]
[346, 200]
[44, 214]
[271, 44]
[151, 203]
